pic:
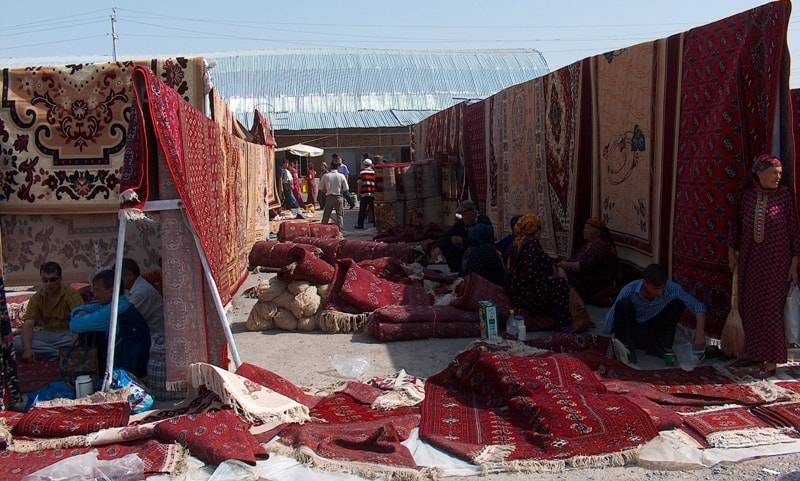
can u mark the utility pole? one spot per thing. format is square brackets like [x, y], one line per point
[114, 35]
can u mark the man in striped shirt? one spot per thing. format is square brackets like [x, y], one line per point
[366, 190]
[646, 314]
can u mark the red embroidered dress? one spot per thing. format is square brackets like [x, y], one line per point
[765, 231]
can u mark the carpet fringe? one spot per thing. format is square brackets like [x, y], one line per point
[309, 458]
[205, 375]
[336, 321]
[5, 433]
[40, 444]
[554, 466]
[493, 453]
[620, 458]
[100, 397]
[771, 392]
[177, 386]
[746, 438]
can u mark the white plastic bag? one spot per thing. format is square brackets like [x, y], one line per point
[791, 315]
[86, 466]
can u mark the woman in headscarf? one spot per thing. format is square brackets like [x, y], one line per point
[594, 267]
[764, 242]
[504, 244]
[481, 257]
[532, 281]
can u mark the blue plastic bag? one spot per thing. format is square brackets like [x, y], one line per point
[54, 390]
[139, 399]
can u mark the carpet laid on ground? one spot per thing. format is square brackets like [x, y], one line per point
[536, 406]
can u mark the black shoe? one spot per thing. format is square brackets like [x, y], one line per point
[360, 227]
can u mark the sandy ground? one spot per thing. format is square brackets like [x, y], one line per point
[304, 359]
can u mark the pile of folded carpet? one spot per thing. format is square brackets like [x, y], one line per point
[381, 289]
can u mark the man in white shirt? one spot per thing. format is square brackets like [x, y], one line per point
[150, 304]
[287, 180]
[345, 171]
[335, 186]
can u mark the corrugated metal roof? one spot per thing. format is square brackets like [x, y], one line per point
[341, 120]
[353, 88]
[363, 87]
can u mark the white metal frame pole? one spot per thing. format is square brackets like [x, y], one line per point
[112, 324]
[151, 206]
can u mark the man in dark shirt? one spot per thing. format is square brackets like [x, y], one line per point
[455, 241]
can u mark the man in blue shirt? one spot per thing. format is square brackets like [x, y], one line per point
[132, 346]
[646, 314]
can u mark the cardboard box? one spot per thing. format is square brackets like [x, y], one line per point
[488, 319]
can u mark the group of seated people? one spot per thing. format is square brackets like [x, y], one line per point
[643, 314]
[56, 317]
[518, 261]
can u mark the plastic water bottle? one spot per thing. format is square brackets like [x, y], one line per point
[511, 324]
[83, 386]
[522, 333]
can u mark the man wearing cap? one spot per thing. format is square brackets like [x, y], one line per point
[454, 242]
[366, 190]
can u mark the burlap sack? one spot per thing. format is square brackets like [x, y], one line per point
[307, 302]
[296, 287]
[307, 323]
[285, 320]
[285, 300]
[269, 289]
[262, 316]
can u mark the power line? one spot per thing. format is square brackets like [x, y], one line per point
[53, 42]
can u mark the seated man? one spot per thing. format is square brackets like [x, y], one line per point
[148, 301]
[455, 241]
[647, 312]
[133, 336]
[45, 328]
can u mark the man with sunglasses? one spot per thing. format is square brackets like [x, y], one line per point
[45, 328]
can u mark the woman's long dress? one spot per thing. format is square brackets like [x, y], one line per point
[598, 268]
[764, 261]
[531, 285]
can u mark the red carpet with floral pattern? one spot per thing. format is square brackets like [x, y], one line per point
[401, 323]
[493, 408]
[212, 436]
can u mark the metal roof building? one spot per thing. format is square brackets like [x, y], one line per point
[357, 88]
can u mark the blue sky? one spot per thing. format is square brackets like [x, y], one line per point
[564, 31]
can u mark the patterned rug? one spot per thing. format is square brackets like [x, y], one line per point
[530, 413]
[159, 458]
[197, 163]
[734, 428]
[356, 290]
[66, 128]
[634, 124]
[38, 374]
[349, 436]
[401, 323]
[721, 131]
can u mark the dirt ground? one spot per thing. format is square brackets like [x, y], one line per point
[304, 359]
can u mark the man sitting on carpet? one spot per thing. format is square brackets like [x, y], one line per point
[455, 241]
[45, 328]
[646, 313]
[133, 336]
[150, 304]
